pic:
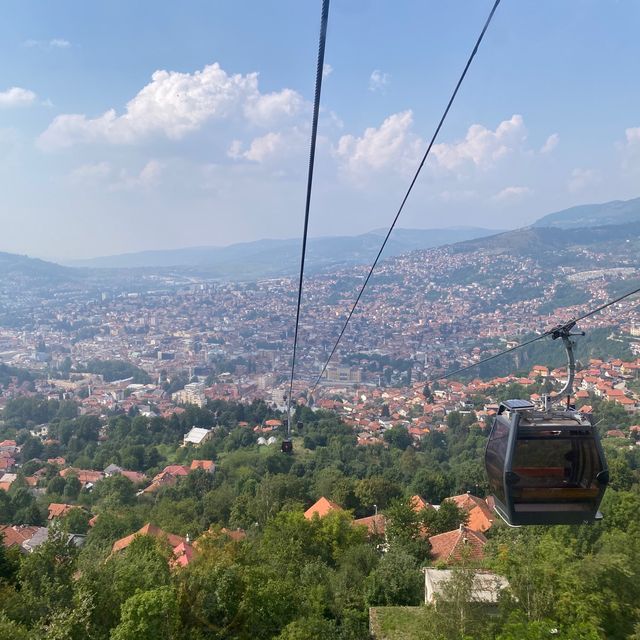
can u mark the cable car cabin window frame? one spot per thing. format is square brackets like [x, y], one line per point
[565, 493]
[497, 450]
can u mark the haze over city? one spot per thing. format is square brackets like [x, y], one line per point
[126, 127]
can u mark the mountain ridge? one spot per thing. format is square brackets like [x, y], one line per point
[280, 258]
[323, 250]
[593, 215]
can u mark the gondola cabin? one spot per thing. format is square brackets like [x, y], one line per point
[545, 467]
[287, 446]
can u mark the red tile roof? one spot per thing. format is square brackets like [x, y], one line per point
[458, 544]
[147, 530]
[58, 510]
[16, 534]
[207, 465]
[174, 470]
[84, 475]
[376, 525]
[183, 554]
[419, 503]
[135, 476]
[235, 534]
[480, 516]
[321, 508]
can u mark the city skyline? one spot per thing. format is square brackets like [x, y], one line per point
[127, 130]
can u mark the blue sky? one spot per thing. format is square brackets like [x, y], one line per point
[138, 125]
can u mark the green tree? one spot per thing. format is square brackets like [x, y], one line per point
[404, 529]
[56, 486]
[431, 484]
[460, 614]
[149, 615]
[6, 508]
[310, 629]
[396, 581]
[70, 624]
[76, 521]
[9, 563]
[621, 475]
[142, 566]
[72, 488]
[114, 492]
[376, 491]
[211, 590]
[447, 518]
[32, 448]
[12, 630]
[46, 576]
[23, 505]
[398, 437]
[269, 603]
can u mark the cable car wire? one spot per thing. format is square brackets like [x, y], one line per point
[410, 189]
[324, 19]
[566, 326]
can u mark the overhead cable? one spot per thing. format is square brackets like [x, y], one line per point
[324, 19]
[550, 332]
[410, 189]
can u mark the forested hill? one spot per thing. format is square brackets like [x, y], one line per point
[268, 257]
[593, 215]
[552, 242]
[20, 268]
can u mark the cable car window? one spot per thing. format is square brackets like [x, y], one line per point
[555, 466]
[495, 457]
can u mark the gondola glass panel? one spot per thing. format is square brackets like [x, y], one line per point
[549, 470]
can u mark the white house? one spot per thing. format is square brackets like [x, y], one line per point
[485, 588]
[197, 436]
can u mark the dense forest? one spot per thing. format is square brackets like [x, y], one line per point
[290, 577]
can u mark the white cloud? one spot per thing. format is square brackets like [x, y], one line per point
[17, 97]
[458, 195]
[275, 145]
[103, 173]
[378, 80]
[630, 158]
[550, 144]
[327, 70]
[148, 177]
[235, 150]
[481, 146]
[267, 109]
[583, 178]
[512, 194]
[174, 104]
[392, 145]
[632, 135]
[91, 173]
[54, 43]
[264, 147]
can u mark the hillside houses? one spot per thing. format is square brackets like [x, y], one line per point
[376, 411]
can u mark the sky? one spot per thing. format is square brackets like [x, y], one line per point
[128, 126]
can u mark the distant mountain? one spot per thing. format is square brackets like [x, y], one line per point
[280, 257]
[14, 267]
[557, 248]
[593, 215]
[550, 241]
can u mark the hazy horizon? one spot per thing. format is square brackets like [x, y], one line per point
[193, 130]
